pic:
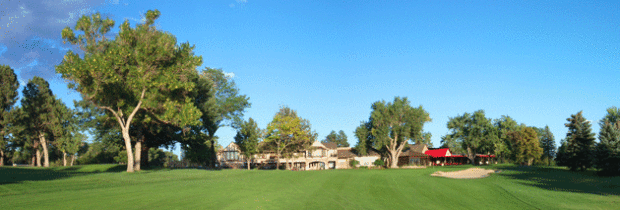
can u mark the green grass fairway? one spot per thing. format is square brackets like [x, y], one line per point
[108, 187]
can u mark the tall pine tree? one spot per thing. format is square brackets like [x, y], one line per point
[608, 149]
[547, 142]
[579, 143]
[8, 97]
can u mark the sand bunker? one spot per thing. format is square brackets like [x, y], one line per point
[471, 173]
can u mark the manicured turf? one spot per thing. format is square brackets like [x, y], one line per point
[107, 187]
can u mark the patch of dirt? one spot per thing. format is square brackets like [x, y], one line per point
[470, 173]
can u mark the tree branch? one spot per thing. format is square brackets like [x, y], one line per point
[120, 121]
[135, 110]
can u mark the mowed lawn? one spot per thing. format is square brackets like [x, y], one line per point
[108, 187]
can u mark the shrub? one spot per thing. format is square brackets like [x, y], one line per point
[353, 163]
[379, 162]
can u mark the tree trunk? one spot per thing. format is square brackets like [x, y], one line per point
[46, 155]
[38, 158]
[145, 154]
[248, 163]
[127, 139]
[471, 156]
[33, 160]
[138, 155]
[72, 159]
[278, 161]
[1, 158]
[64, 159]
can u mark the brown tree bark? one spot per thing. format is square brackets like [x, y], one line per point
[32, 162]
[248, 159]
[46, 155]
[1, 158]
[38, 158]
[138, 155]
[64, 159]
[72, 159]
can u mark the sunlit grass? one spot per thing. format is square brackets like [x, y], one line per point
[108, 187]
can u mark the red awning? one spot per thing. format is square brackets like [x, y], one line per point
[486, 156]
[437, 152]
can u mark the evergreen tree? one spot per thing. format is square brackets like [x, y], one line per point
[547, 142]
[339, 138]
[561, 157]
[8, 98]
[579, 142]
[41, 116]
[608, 149]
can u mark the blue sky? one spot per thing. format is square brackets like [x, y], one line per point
[535, 61]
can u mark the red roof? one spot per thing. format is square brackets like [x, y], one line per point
[437, 152]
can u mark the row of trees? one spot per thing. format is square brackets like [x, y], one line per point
[285, 135]
[474, 133]
[579, 151]
[139, 86]
[42, 121]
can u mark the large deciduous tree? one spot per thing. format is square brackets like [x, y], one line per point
[288, 133]
[391, 126]
[339, 138]
[608, 149]
[525, 146]
[247, 139]
[142, 69]
[579, 142]
[473, 132]
[224, 107]
[8, 98]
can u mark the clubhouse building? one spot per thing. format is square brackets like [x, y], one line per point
[328, 156]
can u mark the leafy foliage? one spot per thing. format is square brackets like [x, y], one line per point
[474, 133]
[142, 69]
[525, 146]
[247, 139]
[288, 133]
[339, 138]
[391, 126]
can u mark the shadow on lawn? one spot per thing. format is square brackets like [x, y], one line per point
[10, 175]
[558, 179]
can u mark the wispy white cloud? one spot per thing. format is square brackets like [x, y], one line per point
[229, 75]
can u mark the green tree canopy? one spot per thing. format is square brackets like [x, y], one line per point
[42, 115]
[339, 138]
[8, 98]
[391, 126]
[473, 132]
[579, 142]
[288, 133]
[525, 146]
[608, 149]
[547, 142]
[141, 69]
[247, 139]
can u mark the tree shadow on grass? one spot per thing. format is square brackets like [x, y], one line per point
[559, 179]
[9, 175]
